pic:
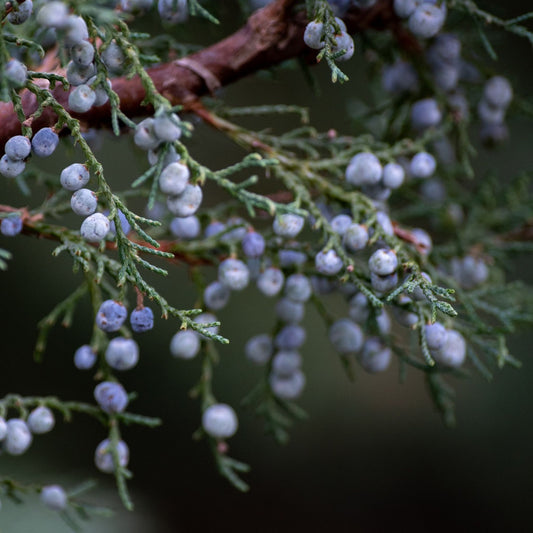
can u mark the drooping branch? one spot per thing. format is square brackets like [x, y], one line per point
[271, 35]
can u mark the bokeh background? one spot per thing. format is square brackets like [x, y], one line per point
[373, 456]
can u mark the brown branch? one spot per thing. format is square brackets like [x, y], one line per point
[270, 36]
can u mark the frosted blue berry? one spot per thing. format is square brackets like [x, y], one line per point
[74, 177]
[259, 349]
[78, 74]
[399, 78]
[404, 8]
[173, 11]
[469, 271]
[355, 238]
[207, 318]
[111, 315]
[383, 322]
[287, 387]
[82, 53]
[298, 288]
[18, 437]
[53, 15]
[393, 175]
[144, 136]
[383, 262]
[111, 397]
[185, 344]
[234, 274]
[103, 458]
[84, 202]
[425, 114]
[344, 42]
[435, 335]
[11, 168]
[54, 496]
[237, 227]
[341, 223]
[44, 142]
[270, 281]
[498, 92]
[113, 58]
[452, 353]
[424, 244]
[124, 224]
[186, 203]
[185, 228]
[20, 13]
[18, 148]
[174, 179]
[142, 319]
[84, 357]
[15, 73]
[286, 362]
[122, 353]
[383, 284]
[100, 92]
[385, 222]
[41, 420]
[253, 244]
[288, 225]
[328, 263]
[170, 156]
[426, 21]
[166, 128]
[216, 295]
[402, 314]
[422, 165]
[489, 114]
[291, 258]
[75, 31]
[313, 34]
[290, 337]
[374, 357]
[345, 336]
[290, 311]
[11, 226]
[358, 308]
[81, 99]
[364, 169]
[220, 421]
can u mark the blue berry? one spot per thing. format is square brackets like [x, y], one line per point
[253, 244]
[400, 78]
[18, 148]
[286, 363]
[298, 288]
[239, 229]
[95, 227]
[185, 344]
[404, 8]
[220, 421]
[186, 203]
[426, 21]
[84, 357]
[328, 263]
[113, 58]
[166, 128]
[11, 226]
[383, 262]
[435, 335]
[81, 99]
[364, 169]
[383, 284]
[424, 243]
[15, 73]
[124, 224]
[53, 15]
[402, 314]
[489, 114]
[344, 42]
[270, 281]
[469, 271]
[346, 336]
[78, 74]
[385, 222]
[54, 496]
[287, 387]
[144, 136]
[20, 13]
[82, 53]
[498, 92]
[18, 437]
[422, 165]
[358, 308]
[234, 274]
[355, 238]
[374, 357]
[11, 168]
[170, 156]
[452, 353]
[340, 224]
[103, 458]
[142, 319]
[425, 114]
[75, 31]
[173, 11]
[393, 175]
[288, 225]
[84, 202]
[100, 92]
[290, 311]
[44, 142]
[74, 177]
[174, 179]
[185, 228]
[41, 420]
[216, 295]
[259, 349]
[291, 258]
[290, 337]
[207, 318]
[313, 34]
[122, 353]
[111, 397]
[111, 315]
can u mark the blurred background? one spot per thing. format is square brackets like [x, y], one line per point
[373, 455]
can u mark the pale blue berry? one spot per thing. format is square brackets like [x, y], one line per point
[144, 136]
[82, 53]
[142, 319]
[220, 421]
[498, 92]
[75, 31]
[173, 11]
[328, 262]
[3, 428]
[393, 175]
[122, 353]
[287, 387]
[345, 336]
[15, 73]
[111, 397]
[422, 165]
[186, 203]
[298, 288]
[290, 337]
[286, 362]
[234, 274]
[84, 202]
[288, 225]
[113, 58]
[425, 114]
[11, 226]
[344, 42]
[84, 357]
[383, 284]
[259, 349]
[216, 295]
[11, 168]
[341, 223]
[81, 99]
[400, 78]
[426, 21]
[185, 228]
[103, 458]
[54, 496]
[20, 13]
[270, 281]
[452, 353]
[53, 15]
[385, 222]
[291, 258]
[111, 315]
[364, 169]
[185, 344]
[78, 74]
[374, 357]
[253, 244]
[207, 318]
[313, 34]
[435, 335]
[290, 311]
[166, 128]
[383, 262]
[404, 8]
[358, 308]
[74, 177]
[18, 437]
[403, 315]
[174, 179]
[41, 420]
[355, 238]
[44, 142]
[18, 148]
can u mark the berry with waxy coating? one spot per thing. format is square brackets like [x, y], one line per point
[290, 311]
[103, 458]
[426, 20]
[290, 258]
[207, 318]
[84, 202]
[344, 42]
[219, 421]
[364, 169]
[216, 295]
[111, 397]
[144, 135]
[18, 148]
[259, 349]
[78, 74]
[21, 13]
[341, 223]
[111, 315]
[422, 165]
[393, 175]
[253, 244]
[452, 353]
[15, 73]
[122, 353]
[11, 168]
[383, 284]
[173, 11]
[346, 336]
[186, 228]
[44, 142]
[313, 34]
[81, 99]
[166, 128]
[41, 420]
[142, 319]
[328, 263]
[234, 274]
[298, 288]
[82, 53]
[11, 226]
[286, 363]
[174, 178]
[355, 238]
[18, 437]
[374, 357]
[84, 357]
[404, 8]
[74, 177]
[287, 387]
[498, 92]
[186, 203]
[95, 227]
[383, 262]
[425, 114]
[288, 225]
[435, 335]
[270, 281]
[53, 15]
[290, 337]
[54, 497]
[75, 31]
[113, 57]
[185, 344]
